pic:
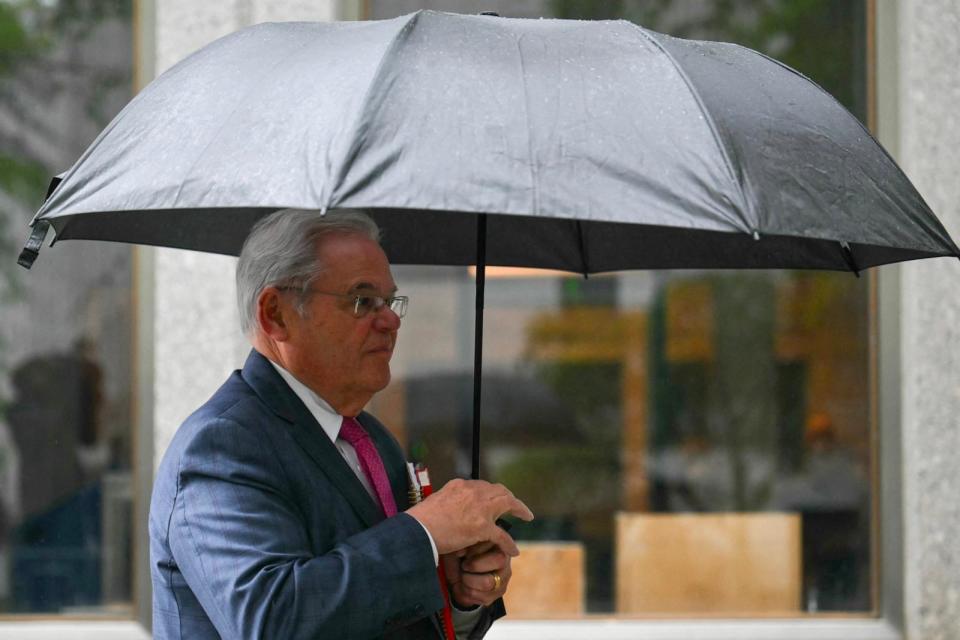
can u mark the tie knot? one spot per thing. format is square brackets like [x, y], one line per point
[352, 431]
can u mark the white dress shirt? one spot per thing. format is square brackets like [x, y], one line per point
[330, 422]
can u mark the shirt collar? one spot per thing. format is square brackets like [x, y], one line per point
[321, 410]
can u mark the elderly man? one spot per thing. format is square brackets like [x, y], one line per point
[280, 508]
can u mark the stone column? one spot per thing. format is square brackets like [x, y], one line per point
[929, 143]
[197, 340]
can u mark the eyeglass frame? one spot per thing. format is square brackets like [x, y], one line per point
[379, 301]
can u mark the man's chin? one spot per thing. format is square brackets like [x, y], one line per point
[378, 380]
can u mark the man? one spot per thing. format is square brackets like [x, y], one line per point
[276, 514]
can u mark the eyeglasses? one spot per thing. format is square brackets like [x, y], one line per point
[364, 303]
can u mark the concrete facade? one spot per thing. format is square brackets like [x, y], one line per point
[929, 141]
[197, 341]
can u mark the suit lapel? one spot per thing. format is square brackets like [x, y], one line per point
[300, 423]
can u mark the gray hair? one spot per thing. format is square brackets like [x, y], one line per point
[281, 251]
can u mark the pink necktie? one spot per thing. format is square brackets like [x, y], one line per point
[359, 439]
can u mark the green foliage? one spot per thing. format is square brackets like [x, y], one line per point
[588, 389]
[587, 9]
[28, 31]
[13, 39]
[9, 278]
[30, 28]
[72, 12]
[819, 38]
[35, 36]
[18, 41]
[23, 179]
[565, 481]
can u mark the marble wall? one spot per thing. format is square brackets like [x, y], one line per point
[197, 339]
[929, 142]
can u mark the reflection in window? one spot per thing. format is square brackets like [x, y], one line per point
[691, 442]
[65, 389]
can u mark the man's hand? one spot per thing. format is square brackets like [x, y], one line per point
[471, 577]
[463, 512]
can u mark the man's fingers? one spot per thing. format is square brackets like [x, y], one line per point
[460, 517]
[451, 567]
[479, 582]
[503, 540]
[478, 549]
[481, 588]
[469, 597]
[508, 503]
[492, 560]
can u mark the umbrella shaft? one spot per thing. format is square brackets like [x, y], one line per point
[478, 342]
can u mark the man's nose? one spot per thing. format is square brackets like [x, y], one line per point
[386, 319]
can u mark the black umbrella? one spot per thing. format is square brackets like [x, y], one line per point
[584, 146]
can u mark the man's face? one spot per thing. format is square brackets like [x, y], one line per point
[342, 357]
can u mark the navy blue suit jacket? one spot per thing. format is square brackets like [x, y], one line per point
[259, 528]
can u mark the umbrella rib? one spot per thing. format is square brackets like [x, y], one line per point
[848, 258]
[358, 125]
[534, 172]
[711, 125]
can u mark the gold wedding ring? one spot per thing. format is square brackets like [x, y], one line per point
[497, 580]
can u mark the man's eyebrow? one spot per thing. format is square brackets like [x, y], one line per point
[369, 286]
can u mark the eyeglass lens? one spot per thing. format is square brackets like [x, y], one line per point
[365, 304]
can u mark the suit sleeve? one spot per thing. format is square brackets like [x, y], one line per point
[242, 547]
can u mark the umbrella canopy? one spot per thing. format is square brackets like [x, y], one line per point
[584, 146]
[596, 145]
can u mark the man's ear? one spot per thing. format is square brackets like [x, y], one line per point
[271, 314]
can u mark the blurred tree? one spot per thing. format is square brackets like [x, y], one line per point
[59, 86]
[40, 61]
[587, 9]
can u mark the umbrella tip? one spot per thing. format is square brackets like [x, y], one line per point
[27, 257]
[31, 249]
[756, 234]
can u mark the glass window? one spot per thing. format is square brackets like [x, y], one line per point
[692, 442]
[65, 335]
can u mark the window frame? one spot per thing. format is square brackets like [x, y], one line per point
[138, 622]
[886, 622]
